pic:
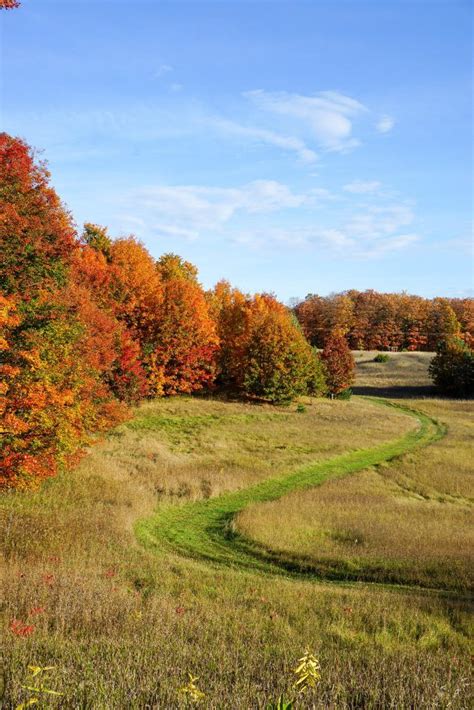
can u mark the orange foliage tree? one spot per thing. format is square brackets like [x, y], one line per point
[263, 351]
[51, 390]
[229, 309]
[187, 341]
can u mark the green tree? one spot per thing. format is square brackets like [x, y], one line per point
[452, 368]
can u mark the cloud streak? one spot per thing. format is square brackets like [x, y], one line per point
[263, 135]
[191, 211]
[328, 115]
[362, 187]
[385, 124]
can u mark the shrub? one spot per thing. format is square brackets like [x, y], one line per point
[452, 368]
[381, 357]
[345, 394]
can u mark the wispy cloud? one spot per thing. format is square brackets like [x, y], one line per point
[329, 114]
[371, 232]
[362, 187]
[163, 69]
[191, 211]
[263, 135]
[385, 124]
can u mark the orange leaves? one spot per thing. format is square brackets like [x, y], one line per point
[382, 321]
[9, 4]
[262, 351]
[186, 342]
[137, 289]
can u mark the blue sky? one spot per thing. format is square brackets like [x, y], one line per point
[291, 147]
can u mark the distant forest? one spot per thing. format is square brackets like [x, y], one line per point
[386, 321]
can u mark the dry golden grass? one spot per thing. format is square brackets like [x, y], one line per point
[193, 448]
[123, 627]
[403, 375]
[410, 522]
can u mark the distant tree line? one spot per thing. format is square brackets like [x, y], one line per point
[386, 321]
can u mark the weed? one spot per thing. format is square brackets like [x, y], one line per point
[381, 357]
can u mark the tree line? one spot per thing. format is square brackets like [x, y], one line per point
[386, 321]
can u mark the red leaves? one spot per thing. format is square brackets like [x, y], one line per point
[20, 629]
[339, 364]
[9, 4]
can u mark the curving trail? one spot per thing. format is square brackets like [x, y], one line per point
[204, 529]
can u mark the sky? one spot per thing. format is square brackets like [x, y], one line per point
[290, 146]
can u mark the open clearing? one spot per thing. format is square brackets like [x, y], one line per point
[409, 522]
[403, 375]
[123, 623]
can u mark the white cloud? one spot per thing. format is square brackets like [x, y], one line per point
[305, 154]
[328, 114]
[377, 222]
[163, 69]
[193, 210]
[362, 187]
[242, 214]
[385, 124]
[369, 234]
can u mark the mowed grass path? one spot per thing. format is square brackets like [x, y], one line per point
[204, 529]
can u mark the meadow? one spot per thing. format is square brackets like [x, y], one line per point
[122, 623]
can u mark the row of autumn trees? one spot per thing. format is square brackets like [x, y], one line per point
[386, 321]
[89, 325]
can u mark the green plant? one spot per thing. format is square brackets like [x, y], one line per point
[381, 357]
[452, 368]
[345, 394]
[280, 704]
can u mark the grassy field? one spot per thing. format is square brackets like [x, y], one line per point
[403, 375]
[123, 624]
[409, 522]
